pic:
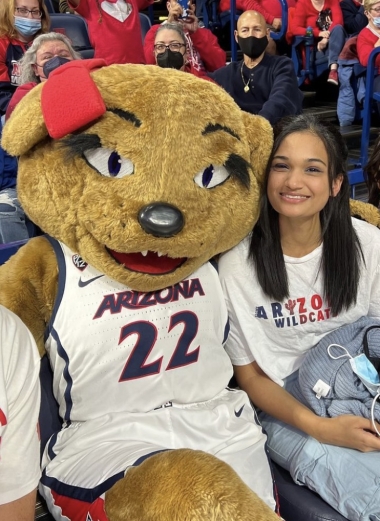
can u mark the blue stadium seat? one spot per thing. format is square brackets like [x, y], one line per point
[308, 64]
[145, 23]
[49, 6]
[7, 250]
[75, 28]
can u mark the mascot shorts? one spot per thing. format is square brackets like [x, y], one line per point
[84, 460]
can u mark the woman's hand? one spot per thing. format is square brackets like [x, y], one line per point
[349, 431]
[190, 23]
[175, 11]
[324, 34]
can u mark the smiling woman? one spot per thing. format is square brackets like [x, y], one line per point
[298, 277]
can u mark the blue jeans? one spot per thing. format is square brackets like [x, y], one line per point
[12, 217]
[336, 43]
[346, 479]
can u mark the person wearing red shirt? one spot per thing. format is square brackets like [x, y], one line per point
[369, 39]
[20, 22]
[271, 12]
[171, 50]
[326, 19]
[204, 52]
[114, 27]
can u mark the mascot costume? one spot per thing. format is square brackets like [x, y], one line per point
[139, 176]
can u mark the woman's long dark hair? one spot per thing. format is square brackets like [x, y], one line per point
[341, 254]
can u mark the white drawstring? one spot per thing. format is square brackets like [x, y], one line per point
[337, 357]
[373, 411]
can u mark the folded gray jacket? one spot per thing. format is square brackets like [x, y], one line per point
[347, 394]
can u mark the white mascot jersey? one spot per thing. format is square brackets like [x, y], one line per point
[114, 349]
[136, 374]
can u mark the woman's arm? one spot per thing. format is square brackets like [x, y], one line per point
[345, 431]
[20, 510]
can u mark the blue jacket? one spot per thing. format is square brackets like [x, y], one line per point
[273, 89]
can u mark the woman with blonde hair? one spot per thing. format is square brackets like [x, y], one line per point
[20, 22]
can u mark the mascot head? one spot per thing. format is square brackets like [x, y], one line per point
[145, 172]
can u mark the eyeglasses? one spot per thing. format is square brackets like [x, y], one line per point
[377, 10]
[175, 47]
[47, 57]
[24, 12]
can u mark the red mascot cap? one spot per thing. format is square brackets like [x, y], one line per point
[70, 99]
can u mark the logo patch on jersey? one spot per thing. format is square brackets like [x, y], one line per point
[114, 303]
[84, 283]
[16, 73]
[79, 262]
[238, 413]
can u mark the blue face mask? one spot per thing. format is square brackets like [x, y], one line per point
[27, 26]
[376, 21]
[363, 368]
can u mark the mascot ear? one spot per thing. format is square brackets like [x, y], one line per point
[66, 102]
[260, 139]
[26, 127]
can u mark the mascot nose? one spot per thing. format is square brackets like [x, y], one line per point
[161, 220]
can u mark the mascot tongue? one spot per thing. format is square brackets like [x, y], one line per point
[151, 263]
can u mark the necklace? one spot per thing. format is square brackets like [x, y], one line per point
[246, 85]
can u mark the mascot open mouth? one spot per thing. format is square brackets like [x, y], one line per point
[148, 262]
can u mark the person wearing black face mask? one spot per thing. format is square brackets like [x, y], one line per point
[170, 50]
[261, 84]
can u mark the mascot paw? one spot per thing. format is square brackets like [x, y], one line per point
[184, 485]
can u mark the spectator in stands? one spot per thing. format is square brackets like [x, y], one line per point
[20, 22]
[47, 52]
[170, 50]
[304, 249]
[372, 173]
[261, 83]
[369, 39]
[354, 18]
[326, 19]
[19, 408]
[114, 28]
[203, 50]
[270, 9]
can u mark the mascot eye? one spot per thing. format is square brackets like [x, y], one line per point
[212, 176]
[108, 162]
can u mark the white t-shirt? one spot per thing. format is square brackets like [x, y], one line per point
[19, 408]
[277, 334]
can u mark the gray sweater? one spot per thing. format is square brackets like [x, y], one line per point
[347, 395]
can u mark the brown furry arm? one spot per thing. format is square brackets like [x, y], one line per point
[28, 282]
[365, 211]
